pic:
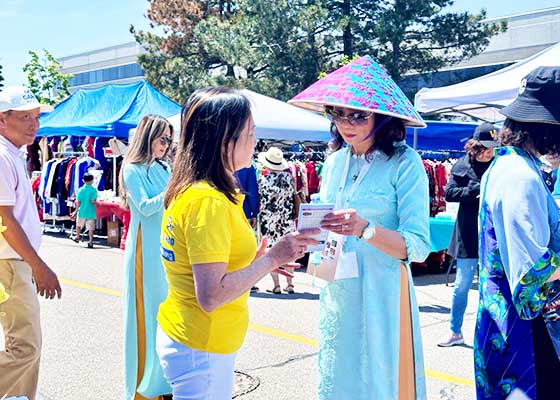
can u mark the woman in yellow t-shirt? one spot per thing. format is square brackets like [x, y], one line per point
[208, 248]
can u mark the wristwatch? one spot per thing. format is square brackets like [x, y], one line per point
[369, 232]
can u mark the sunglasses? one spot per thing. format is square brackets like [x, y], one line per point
[356, 118]
[165, 141]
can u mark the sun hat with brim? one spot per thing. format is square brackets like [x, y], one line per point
[538, 100]
[20, 98]
[273, 159]
[360, 85]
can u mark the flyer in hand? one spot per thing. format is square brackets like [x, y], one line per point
[310, 217]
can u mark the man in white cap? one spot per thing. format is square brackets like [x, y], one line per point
[22, 272]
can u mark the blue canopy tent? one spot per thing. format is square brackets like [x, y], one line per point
[108, 111]
[440, 135]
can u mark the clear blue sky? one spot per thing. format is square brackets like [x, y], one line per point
[66, 27]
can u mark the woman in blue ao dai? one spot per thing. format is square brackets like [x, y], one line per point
[369, 332]
[369, 318]
[143, 179]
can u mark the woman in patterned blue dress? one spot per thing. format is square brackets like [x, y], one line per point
[519, 245]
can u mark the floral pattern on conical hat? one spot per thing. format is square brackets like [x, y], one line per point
[362, 85]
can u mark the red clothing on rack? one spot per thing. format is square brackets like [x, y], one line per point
[313, 181]
[441, 181]
[68, 176]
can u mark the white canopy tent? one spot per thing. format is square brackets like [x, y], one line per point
[483, 97]
[278, 120]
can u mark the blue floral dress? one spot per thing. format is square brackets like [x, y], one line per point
[518, 223]
[359, 317]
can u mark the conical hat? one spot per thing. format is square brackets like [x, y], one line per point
[360, 85]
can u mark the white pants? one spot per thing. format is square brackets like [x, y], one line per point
[195, 374]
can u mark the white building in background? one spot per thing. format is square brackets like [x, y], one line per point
[527, 34]
[115, 64]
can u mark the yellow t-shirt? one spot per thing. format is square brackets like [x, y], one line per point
[202, 226]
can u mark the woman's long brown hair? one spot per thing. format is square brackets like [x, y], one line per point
[151, 127]
[212, 120]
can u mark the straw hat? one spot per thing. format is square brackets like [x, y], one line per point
[273, 159]
[361, 85]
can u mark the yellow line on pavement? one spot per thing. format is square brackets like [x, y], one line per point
[91, 287]
[313, 342]
[284, 335]
[441, 376]
[457, 380]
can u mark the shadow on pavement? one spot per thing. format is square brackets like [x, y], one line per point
[434, 279]
[435, 309]
[285, 296]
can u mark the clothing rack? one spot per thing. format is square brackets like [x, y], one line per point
[50, 220]
[69, 153]
[316, 156]
[441, 155]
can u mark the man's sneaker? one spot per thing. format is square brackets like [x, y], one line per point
[453, 340]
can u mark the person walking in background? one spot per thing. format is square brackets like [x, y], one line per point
[22, 272]
[276, 211]
[85, 209]
[247, 180]
[463, 187]
[143, 179]
[208, 248]
[520, 251]
[369, 330]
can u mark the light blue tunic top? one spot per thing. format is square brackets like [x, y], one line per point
[145, 188]
[360, 317]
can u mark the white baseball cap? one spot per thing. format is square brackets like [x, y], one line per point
[20, 98]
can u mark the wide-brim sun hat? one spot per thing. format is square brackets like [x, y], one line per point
[273, 159]
[538, 100]
[360, 85]
[20, 98]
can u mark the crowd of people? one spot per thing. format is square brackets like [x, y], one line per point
[192, 256]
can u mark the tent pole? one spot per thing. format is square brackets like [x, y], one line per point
[114, 171]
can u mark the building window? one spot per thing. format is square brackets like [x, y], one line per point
[106, 74]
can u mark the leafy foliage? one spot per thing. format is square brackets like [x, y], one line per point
[44, 78]
[280, 47]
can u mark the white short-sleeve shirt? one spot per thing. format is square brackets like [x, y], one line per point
[15, 190]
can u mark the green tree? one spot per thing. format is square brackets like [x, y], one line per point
[1, 77]
[280, 47]
[274, 47]
[44, 78]
[409, 35]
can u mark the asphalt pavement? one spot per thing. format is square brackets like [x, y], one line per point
[83, 333]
